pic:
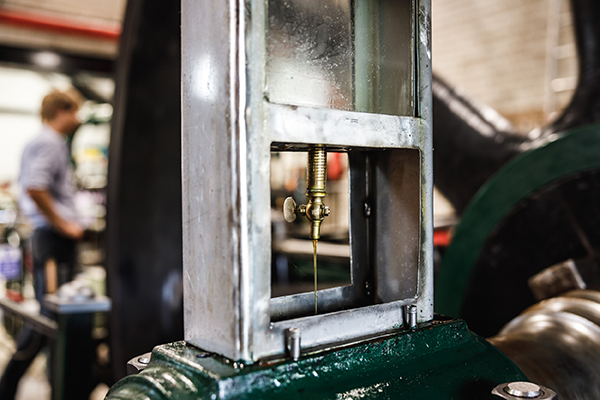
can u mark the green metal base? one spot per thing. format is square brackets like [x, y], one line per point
[439, 360]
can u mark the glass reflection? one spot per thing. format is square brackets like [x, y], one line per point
[352, 55]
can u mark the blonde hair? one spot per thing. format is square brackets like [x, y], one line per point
[56, 101]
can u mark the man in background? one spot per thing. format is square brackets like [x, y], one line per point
[47, 199]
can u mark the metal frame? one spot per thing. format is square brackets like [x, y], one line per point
[228, 131]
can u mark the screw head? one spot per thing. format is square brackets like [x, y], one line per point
[143, 360]
[367, 209]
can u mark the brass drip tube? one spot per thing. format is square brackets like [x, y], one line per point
[315, 211]
[316, 178]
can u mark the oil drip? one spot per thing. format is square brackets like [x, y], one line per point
[315, 271]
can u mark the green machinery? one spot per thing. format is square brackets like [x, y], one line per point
[561, 157]
[348, 76]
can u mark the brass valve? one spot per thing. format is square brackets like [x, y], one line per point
[315, 210]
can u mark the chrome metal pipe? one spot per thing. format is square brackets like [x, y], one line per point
[556, 343]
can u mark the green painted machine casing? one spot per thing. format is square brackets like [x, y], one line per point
[438, 360]
[558, 157]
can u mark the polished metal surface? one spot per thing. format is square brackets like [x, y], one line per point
[556, 343]
[591, 295]
[229, 130]
[570, 304]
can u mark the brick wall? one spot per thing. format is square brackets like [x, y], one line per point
[496, 50]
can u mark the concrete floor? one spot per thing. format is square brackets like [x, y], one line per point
[34, 385]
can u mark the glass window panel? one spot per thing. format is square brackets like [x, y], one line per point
[352, 55]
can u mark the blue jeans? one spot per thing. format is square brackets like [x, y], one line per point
[45, 244]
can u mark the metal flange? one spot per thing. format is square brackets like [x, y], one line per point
[138, 363]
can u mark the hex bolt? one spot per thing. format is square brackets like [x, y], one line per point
[293, 343]
[523, 390]
[527, 390]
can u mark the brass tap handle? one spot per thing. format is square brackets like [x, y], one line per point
[289, 209]
[315, 211]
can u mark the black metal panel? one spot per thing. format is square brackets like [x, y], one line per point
[584, 107]
[144, 247]
[67, 63]
[470, 143]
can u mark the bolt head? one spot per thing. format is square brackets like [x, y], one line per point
[523, 390]
[526, 390]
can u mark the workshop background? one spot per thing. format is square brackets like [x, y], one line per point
[517, 57]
